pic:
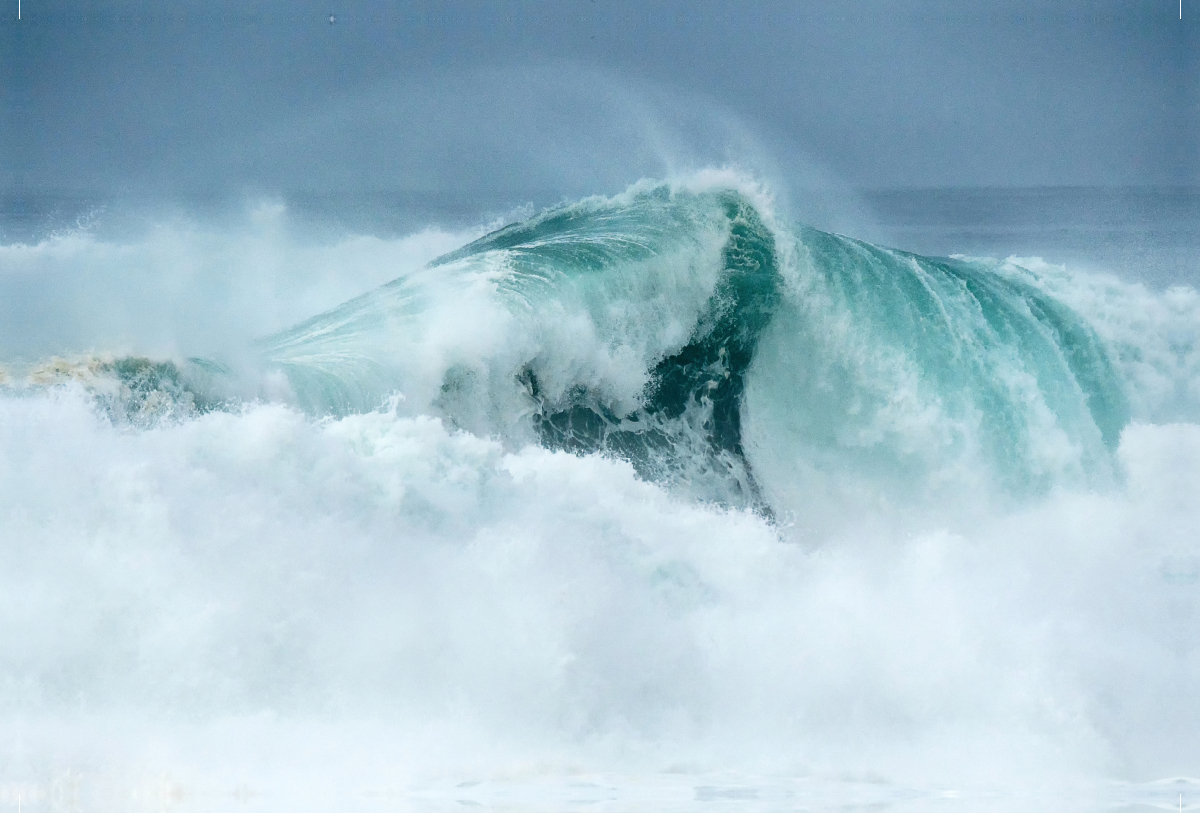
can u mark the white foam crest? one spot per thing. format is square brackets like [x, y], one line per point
[609, 342]
[265, 601]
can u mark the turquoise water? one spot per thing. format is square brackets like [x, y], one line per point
[831, 348]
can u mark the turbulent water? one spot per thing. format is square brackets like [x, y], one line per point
[652, 501]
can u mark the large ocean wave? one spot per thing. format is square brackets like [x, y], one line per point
[651, 486]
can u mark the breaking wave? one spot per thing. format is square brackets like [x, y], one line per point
[648, 483]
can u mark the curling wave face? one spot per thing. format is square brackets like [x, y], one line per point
[687, 332]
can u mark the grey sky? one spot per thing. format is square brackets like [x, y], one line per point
[579, 96]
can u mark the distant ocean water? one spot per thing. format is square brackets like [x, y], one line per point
[650, 501]
[1148, 234]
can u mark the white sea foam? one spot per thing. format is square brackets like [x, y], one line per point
[375, 602]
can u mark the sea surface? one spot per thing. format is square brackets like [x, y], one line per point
[657, 500]
[1143, 234]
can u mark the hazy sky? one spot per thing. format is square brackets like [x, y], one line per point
[585, 95]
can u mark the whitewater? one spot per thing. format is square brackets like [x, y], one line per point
[652, 501]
